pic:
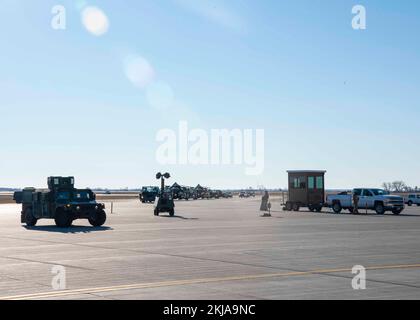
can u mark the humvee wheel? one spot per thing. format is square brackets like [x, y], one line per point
[296, 207]
[98, 219]
[289, 206]
[62, 219]
[30, 220]
[172, 212]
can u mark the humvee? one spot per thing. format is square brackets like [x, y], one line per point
[148, 194]
[61, 202]
[193, 193]
[201, 192]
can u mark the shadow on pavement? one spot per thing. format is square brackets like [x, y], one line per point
[177, 217]
[72, 229]
[360, 214]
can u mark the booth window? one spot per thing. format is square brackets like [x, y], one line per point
[299, 183]
[311, 182]
[319, 182]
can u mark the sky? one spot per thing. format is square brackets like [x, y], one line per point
[89, 100]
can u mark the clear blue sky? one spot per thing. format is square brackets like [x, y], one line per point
[328, 97]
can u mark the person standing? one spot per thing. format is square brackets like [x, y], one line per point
[264, 201]
[355, 203]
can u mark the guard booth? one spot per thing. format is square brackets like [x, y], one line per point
[306, 189]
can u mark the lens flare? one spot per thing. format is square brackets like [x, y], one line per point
[95, 21]
[139, 71]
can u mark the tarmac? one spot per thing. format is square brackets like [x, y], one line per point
[212, 249]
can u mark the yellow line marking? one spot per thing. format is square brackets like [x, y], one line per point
[53, 294]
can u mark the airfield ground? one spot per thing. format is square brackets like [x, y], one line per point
[212, 249]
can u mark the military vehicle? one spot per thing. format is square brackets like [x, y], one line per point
[186, 193]
[193, 193]
[227, 194]
[217, 194]
[61, 202]
[164, 201]
[148, 194]
[243, 194]
[201, 192]
[177, 191]
[180, 192]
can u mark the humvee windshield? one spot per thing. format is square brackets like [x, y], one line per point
[150, 189]
[81, 195]
[76, 196]
[63, 195]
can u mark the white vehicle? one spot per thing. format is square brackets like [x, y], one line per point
[371, 199]
[413, 199]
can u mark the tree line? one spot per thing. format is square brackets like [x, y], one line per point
[399, 186]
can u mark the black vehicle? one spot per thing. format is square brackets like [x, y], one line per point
[243, 194]
[61, 202]
[217, 194]
[227, 195]
[148, 194]
[186, 193]
[177, 191]
[164, 201]
[193, 193]
[202, 192]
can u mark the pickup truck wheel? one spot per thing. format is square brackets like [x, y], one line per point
[351, 210]
[156, 212]
[311, 208]
[418, 204]
[172, 212]
[410, 203]
[30, 220]
[379, 208]
[318, 208]
[296, 207]
[337, 207]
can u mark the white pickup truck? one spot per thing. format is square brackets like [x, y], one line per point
[413, 199]
[371, 199]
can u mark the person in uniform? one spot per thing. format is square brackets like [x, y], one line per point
[264, 201]
[355, 203]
